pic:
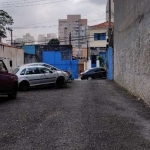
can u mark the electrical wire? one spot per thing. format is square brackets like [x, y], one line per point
[34, 4]
[73, 39]
[19, 2]
[58, 19]
[35, 27]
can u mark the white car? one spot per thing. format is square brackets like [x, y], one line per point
[29, 76]
[50, 67]
[42, 64]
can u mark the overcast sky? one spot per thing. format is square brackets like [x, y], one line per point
[40, 13]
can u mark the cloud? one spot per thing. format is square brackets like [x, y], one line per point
[98, 2]
[48, 14]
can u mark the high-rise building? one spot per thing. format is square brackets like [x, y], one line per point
[28, 38]
[78, 29]
[51, 36]
[19, 40]
[41, 38]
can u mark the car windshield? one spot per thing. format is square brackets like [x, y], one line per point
[15, 70]
[90, 70]
[50, 67]
[86, 71]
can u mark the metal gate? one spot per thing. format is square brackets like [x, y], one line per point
[62, 61]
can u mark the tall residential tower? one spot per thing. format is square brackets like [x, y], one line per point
[73, 27]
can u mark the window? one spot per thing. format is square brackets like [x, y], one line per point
[32, 71]
[48, 66]
[15, 70]
[2, 67]
[102, 69]
[23, 72]
[45, 70]
[54, 68]
[99, 36]
[97, 70]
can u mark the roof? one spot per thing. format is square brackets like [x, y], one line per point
[7, 45]
[102, 25]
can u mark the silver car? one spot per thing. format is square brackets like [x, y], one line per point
[50, 67]
[43, 64]
[29, 76]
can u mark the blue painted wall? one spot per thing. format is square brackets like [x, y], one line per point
[54, 58]
[103, 54]
[110, 63]
[29, 49]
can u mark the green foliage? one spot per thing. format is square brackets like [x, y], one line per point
[101, 61]
[54, 42]
[5, 19]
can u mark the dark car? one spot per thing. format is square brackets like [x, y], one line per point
[8, 82]
[94, 73]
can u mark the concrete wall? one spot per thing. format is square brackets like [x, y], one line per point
[132, 46]
[30, 58]
[12, 53]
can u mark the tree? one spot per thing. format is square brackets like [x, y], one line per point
[101, 61]
[54, 42]
[5, 19]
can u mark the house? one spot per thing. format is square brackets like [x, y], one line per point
[97, 43]
[16, 55]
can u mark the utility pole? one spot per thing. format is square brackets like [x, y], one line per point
[87, 49]
[109, 29]
[11, 32]
[70, 38]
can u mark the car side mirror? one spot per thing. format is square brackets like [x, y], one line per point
[10, 63]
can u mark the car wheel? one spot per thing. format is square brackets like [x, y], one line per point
[13, 93]
[24, 86]
[60, 82]
[93, 76]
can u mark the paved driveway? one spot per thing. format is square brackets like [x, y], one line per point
[88, 115]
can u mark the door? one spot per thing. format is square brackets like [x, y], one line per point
[5, 79]
[34, 76]
[48, 76]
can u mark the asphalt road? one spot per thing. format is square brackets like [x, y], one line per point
[88, 115]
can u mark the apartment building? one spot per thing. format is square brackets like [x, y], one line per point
[51, 36]
[28, 38]
[78, 29]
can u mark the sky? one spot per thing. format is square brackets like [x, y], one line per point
[41, 16]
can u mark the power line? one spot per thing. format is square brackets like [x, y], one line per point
[64, 39]
[34, 4]
[58, 19]
[35, 27]
[13, 1]
[20, 2]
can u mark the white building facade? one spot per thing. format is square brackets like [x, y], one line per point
[78, 29]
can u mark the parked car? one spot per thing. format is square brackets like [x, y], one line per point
[94, 73]
[29, 76]
[8, 81]
[50, 67]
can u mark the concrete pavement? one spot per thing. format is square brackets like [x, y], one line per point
[88, 115]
